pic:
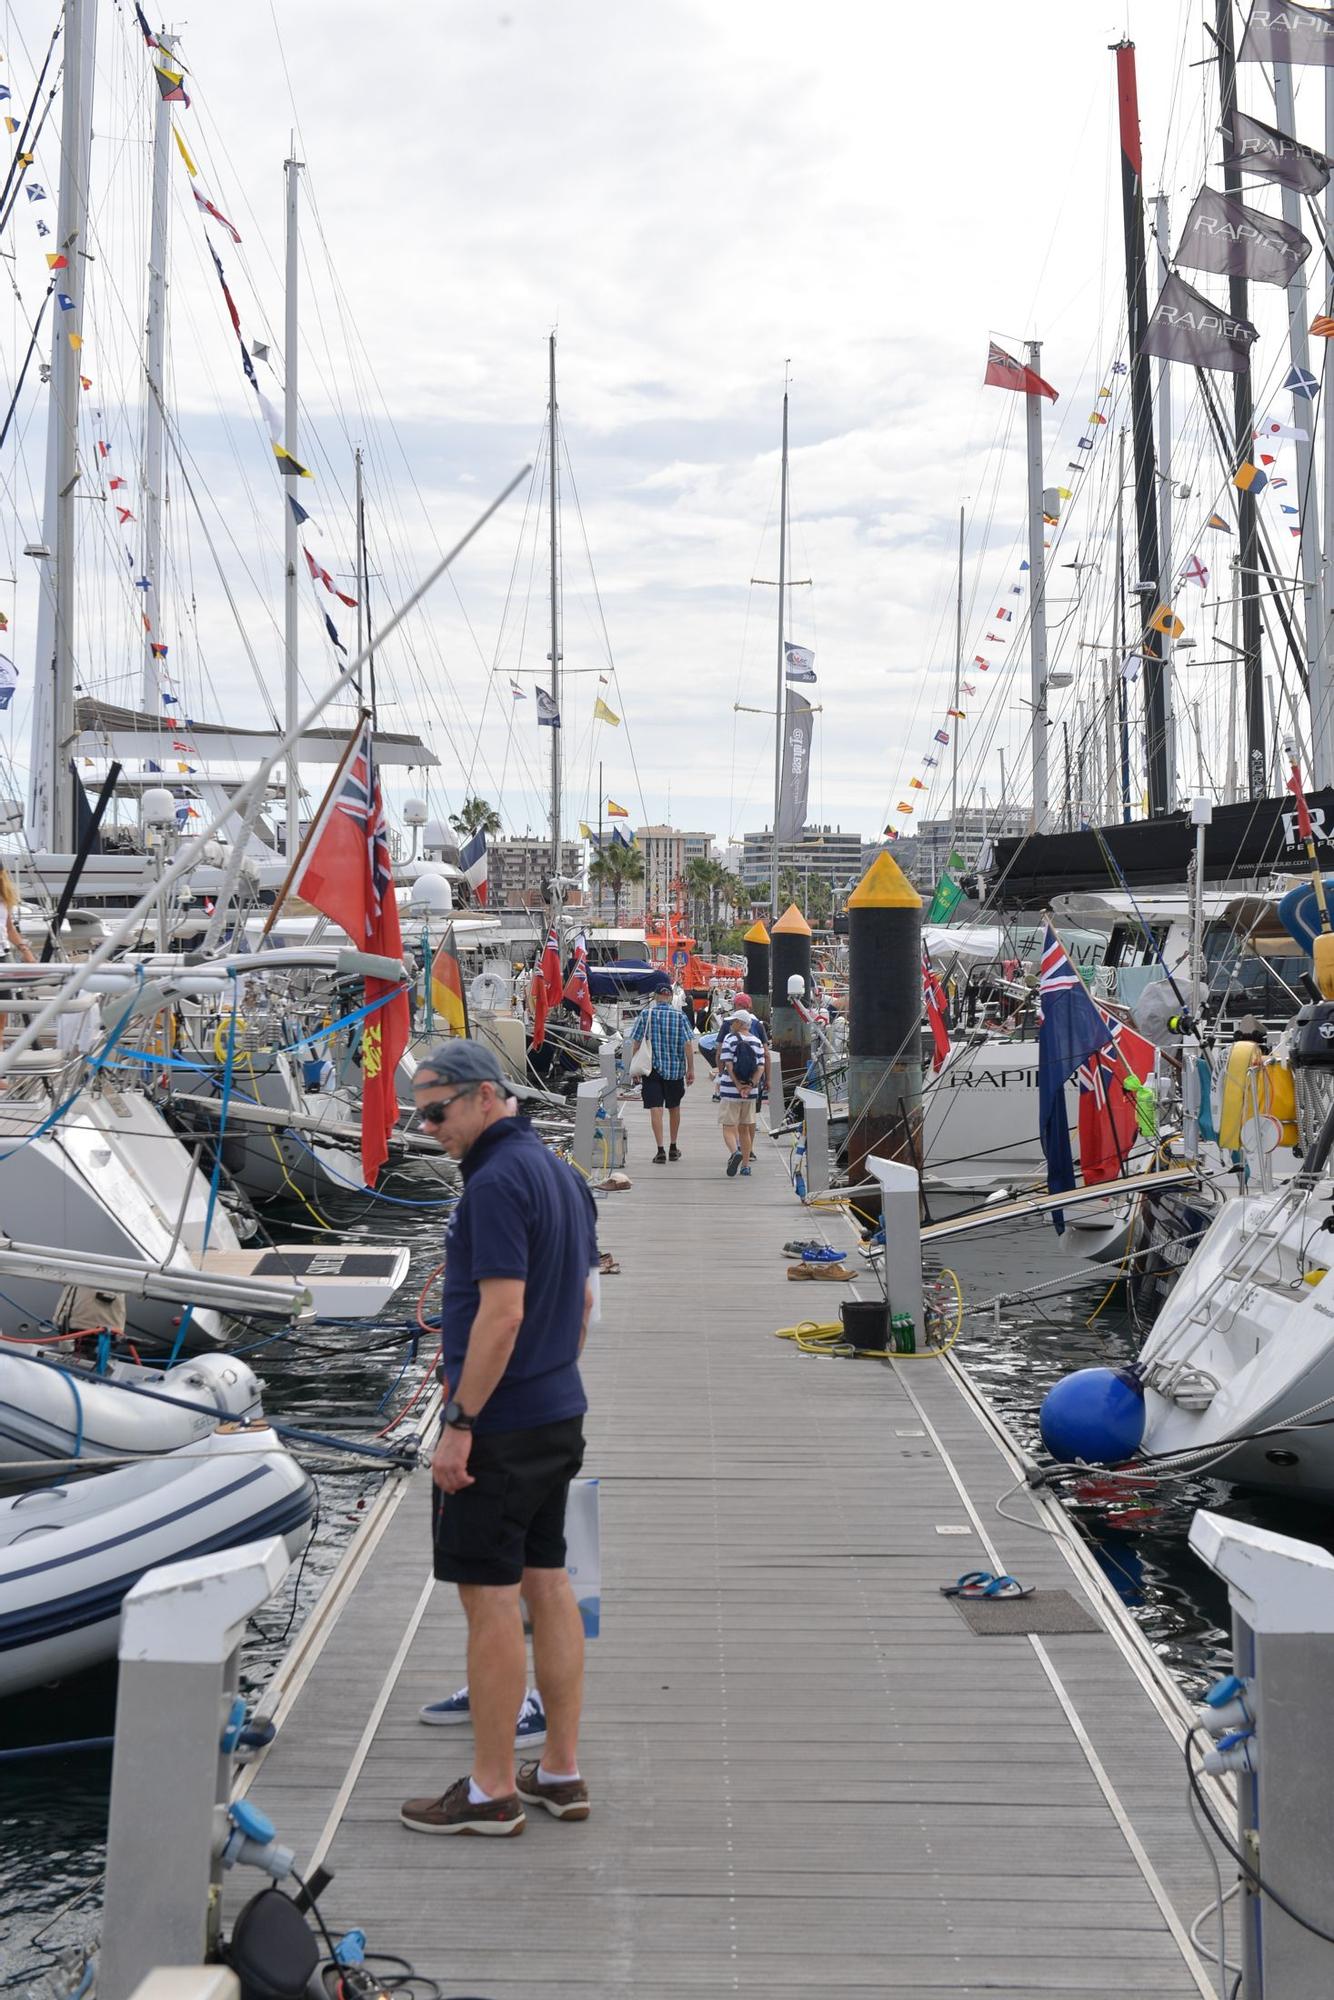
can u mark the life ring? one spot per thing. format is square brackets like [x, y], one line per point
[1240, 1097]
[489, 990]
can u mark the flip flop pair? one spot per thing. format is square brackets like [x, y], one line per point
[981, 1583]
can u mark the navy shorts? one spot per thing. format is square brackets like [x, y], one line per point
[512, 1517]
[662, 1092]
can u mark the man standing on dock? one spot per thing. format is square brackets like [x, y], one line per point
[517, 1298]
[668, 1034]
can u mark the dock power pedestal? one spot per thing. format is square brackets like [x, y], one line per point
[1273, 1726]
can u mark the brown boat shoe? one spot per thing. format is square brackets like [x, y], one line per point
[563, 1800]
[454, 1812]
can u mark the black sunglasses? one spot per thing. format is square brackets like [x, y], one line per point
[436, 1113]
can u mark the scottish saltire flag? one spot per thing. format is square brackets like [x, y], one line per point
[1071, 1034]
[472, 860]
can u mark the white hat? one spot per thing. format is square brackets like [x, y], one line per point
[745, 1019]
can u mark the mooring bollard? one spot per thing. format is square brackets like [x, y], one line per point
[756, 942]
[1268, 1719]
[884, 1016]
[180, 1649]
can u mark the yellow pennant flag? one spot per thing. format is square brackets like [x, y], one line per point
[1165, 620]
[447, 986]
[601, 713]
[617, 812]
[76, 341]
[292, 467]
[190, 166]
[585, 830]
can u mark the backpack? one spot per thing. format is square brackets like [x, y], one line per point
[745, 1061]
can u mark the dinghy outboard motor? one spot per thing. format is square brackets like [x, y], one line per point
[1313, 1049]
[1313, 1044]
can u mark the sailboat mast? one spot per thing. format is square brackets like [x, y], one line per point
[1313, 579]
[1243, 427]
[364, 589]
[1122, 714]
[555, 611]
[1037, 602]
[292, 710]
[780, 705]
[958, 676]
[1147, 556]
[51, 800]
[1162, 231]
[154, 367]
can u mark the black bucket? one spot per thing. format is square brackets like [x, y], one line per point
[866, 1323]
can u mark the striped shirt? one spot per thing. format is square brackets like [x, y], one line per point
[669, 1037]
[727, 1048]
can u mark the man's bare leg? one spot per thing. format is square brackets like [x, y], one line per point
[655, 1120]
[497, 1678]
[558, 1663]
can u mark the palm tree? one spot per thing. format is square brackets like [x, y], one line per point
[701, 882]
[475, 816]
[613, 869]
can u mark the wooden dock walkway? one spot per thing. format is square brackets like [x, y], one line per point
[808, 1775]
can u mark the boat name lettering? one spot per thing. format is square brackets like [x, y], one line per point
[1318, 827]
[990, 1079]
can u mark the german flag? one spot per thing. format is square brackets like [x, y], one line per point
[447, 986]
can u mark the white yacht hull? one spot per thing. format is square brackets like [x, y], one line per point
[1245, 1345]
[111, 1178]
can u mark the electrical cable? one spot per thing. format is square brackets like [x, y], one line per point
[1247, 1867]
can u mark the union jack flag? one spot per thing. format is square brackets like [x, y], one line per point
[359, 798]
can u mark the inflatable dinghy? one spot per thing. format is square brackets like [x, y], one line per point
[53, 1407]
[70, 1551]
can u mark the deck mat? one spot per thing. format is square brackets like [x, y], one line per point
[1046, 1611]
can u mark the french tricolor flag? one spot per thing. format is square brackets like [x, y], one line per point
[472, 860]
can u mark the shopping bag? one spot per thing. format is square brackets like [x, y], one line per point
[641, 1062]
[583, 1552]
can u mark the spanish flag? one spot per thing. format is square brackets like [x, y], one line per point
[617, 812]
[447, 986]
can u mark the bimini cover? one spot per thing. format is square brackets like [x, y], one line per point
[622, 978]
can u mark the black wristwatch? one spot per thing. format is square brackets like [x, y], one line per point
[457, 1418]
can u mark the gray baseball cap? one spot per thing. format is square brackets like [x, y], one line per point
[462, 1061]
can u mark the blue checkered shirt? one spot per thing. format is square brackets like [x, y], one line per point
[668, 1036]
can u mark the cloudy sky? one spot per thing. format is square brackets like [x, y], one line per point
[697, 198]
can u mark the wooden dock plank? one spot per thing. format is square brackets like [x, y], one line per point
[808, 1775]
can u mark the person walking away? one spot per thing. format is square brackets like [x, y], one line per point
[743, 1002]
[741, 1069]
[668, 1034]
[520, 1246]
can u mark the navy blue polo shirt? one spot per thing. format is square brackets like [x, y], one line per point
[523, 1214]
